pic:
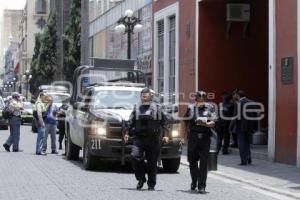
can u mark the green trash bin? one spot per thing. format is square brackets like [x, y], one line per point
[212, 161]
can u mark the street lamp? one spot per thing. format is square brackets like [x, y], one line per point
[7, 86]
[128, 24]
[14, 82]
[27, 76]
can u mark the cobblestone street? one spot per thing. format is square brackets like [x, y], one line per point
[27, 176]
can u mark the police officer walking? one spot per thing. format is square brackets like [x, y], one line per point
[243, 125]
[200, 117]
[147, 125]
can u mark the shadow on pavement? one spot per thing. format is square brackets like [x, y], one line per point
[142, 190]
[190, 192]
[112, 166]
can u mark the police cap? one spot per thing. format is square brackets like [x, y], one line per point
[200, 95]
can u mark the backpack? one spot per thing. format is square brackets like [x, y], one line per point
[7, 113]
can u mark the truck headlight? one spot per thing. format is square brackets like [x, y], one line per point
[175, 130]
[98, 128]
[175, 133]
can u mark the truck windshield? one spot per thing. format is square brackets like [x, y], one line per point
[116, 99]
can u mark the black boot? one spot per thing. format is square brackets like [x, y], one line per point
[249, 161]
[151, 188]
[225, 151]
[6, 147]
[193, 186]
[140, 184]
[201, 190]
[60, 146]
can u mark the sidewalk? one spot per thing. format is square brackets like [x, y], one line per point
[273, 177]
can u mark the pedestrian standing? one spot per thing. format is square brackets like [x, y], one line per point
[40, 113]
[232, 129]
[243, 125]
[200, 117]
[15, 106]
[147, 125]
[50, 126]
[226, 114]
[61, 121]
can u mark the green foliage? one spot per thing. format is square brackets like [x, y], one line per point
[71, 40]
[47, 60]
[44, 61]
[34, 67]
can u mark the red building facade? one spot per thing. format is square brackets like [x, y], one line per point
[260, 57]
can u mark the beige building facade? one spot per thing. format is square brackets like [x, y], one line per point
[34, 19]
[9, 30]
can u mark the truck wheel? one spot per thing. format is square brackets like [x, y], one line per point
[72, 150]
[171, 165]
[89, 161]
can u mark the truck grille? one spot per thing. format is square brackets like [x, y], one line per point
[115, 130]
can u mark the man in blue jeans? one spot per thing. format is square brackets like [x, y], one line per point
[41, 107]
[15, 106]
[51, 127]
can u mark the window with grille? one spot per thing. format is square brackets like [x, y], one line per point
[40, 6]
[160, 77]
[91, 40]
[172, 58]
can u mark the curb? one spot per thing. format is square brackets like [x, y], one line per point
[252, 183]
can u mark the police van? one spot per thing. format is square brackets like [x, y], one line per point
[100, 106]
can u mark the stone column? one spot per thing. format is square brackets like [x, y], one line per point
[84, 32]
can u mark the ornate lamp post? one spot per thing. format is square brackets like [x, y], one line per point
[129, 25]
[14, 83]
[5, 88]
[27, 76]
[9, 87]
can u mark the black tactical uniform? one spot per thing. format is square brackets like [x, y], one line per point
[198, 142]
[61, 124]
[226, 110]
[146, 125]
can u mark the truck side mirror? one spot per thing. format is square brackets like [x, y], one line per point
[81, 106]
[84, 108]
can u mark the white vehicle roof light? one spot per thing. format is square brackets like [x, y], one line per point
[49, 88]
[119, 84]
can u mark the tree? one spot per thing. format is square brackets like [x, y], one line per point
[44, 60]
[72, 40]
[34, 69]
[47, 60]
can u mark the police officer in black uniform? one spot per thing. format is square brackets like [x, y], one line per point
[226, 114]
[61, 122]
[147, 125]
[200, 117]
